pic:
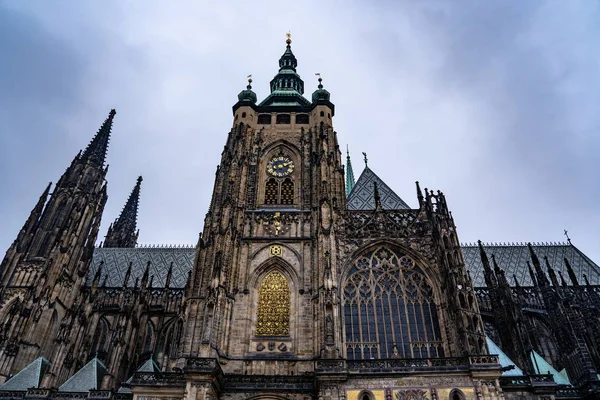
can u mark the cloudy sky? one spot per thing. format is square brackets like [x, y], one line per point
[494, 103]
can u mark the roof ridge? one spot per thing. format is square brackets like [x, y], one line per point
[149, 247]
[516, 244]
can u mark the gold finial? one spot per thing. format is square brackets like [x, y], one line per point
[250, 78]
[289, 38]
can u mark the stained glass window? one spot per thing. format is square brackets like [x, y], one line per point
[273, 306]
[389, 310]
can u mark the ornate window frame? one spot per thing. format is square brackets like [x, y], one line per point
[434, 346]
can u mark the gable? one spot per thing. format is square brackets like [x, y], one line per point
[362, 195]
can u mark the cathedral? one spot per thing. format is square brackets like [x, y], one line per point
[304, 284]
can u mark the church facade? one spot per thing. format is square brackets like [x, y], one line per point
[304, 284]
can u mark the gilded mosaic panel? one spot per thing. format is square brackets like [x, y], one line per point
[273, 306]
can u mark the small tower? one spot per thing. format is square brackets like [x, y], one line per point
[123, 232]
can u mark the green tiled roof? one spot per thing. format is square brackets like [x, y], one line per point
[29, 377]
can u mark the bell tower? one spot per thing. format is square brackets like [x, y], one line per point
[265, 257]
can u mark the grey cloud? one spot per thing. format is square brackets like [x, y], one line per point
[489, 102]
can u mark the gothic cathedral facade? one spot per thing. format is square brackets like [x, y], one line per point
[303, 285]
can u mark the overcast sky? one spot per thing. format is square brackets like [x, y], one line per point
[494, 103]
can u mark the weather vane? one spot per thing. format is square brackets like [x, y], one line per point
[365, 155]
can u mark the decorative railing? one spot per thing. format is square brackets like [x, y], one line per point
[202, 365]
[394, 223]
[271, 382]
[4, 394]
[568, 393]
[407, 365]
[39, 393]
[70, 395]
[166, 299]
[100, 394]
[158, 379]
[527, 380]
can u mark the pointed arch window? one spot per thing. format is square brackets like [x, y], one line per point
[389, 309]
[272, 192]
[287, 192]
[278, 192]
[273, 317]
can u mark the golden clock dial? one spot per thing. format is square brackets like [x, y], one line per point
[280, 166]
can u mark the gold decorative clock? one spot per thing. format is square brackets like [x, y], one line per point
[280, 166]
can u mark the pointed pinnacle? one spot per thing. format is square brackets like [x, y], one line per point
[123, 232]
[36, 212]
[376, 196]
[571, 273]
[95, 152]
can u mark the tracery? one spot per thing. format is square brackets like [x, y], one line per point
[389, 309]
[273, 306]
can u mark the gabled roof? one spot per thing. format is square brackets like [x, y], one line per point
[362, 198]
[29, 377]
[89, 377]
[115, 262]
[149, 366]
[503, 359]
[512, 258]
[543, 367]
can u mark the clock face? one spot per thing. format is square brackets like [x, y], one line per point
[280, 166]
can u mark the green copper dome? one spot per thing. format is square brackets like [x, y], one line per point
[247, 96]
[287, 87]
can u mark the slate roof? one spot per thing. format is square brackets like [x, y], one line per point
[362, 198]
[504, 360]
[115, 262]
[149, 366]
[28, 377]
[89, 377]
[543, 367]
[512, 258]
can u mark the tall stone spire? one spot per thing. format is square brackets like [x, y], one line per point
[349, 174]
[95, 152]
[123, 232]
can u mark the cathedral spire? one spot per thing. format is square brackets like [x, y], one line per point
[95, 152]
[349, 173]
[123, 232]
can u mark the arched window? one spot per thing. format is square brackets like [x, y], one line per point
[389, 310]
[283, 118]
[149, 341]
[273, 306]
[457, 394]
[264, 119]
[99, 344]
[271, 192]
[287, 192]
[243, 115]
[302, 119]
[322, 114]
